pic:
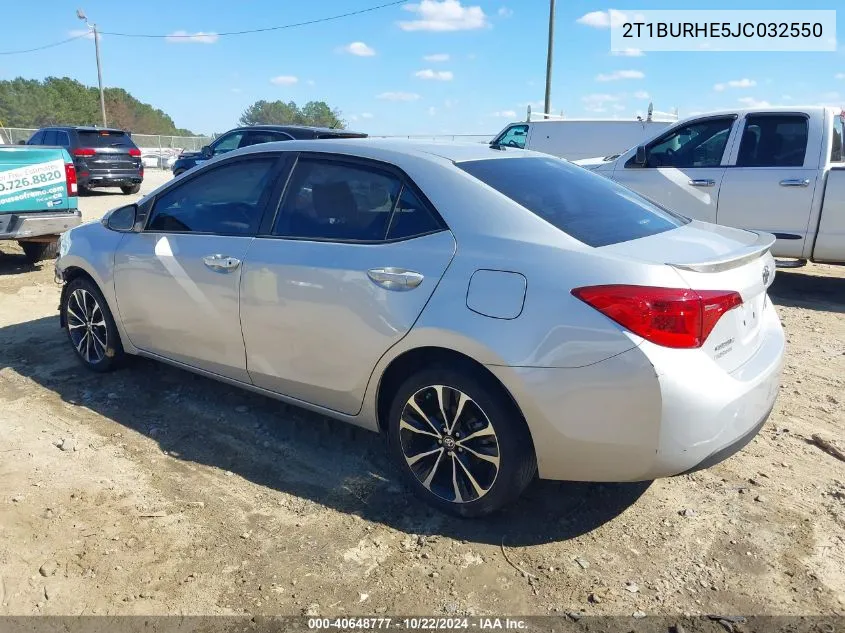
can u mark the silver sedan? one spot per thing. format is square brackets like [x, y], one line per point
[498, 314]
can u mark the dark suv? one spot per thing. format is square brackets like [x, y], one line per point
[252, 135]
[103, 157]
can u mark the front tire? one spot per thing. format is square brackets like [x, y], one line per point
[459, 442]
[39, 251]
[90, 326]
[131, 189]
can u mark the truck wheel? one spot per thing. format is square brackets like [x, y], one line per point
[131, 189]
[39, 251]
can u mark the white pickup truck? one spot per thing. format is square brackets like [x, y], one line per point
[778, 170]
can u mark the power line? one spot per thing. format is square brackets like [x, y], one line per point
[263, 30]
[188, 36]
[41, 48]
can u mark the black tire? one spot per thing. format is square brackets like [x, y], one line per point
[131, 189]
[72, 309]
[83, 190]
[179, 172]
[39, 251]
[511, 443]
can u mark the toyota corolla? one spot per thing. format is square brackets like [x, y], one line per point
[497, 314]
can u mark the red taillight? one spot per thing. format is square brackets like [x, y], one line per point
[70, 180]
[135, 152]
[84, 151]
[672, 317]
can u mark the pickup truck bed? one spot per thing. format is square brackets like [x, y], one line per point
[38, 198]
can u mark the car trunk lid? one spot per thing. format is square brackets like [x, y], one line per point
[707, 257]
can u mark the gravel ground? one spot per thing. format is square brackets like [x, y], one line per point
[154, 491]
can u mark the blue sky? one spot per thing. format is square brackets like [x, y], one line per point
[430, 66]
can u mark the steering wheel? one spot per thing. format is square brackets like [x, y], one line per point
[512, 143]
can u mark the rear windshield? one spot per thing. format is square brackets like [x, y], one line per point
[104, 138]
[584, 205]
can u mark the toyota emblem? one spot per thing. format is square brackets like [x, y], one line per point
[766, 274]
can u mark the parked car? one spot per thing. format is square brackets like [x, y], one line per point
[103, 157]
[575, 139]
[578, 331]
[38, 198]
[253, 135]
[779, 170]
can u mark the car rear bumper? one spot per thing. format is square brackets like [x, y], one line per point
[122, 178]
[34, 224]
[634, 418]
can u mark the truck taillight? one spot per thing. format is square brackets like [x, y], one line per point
[671, 317]
[84, 151]
[70, 180]
[135, 152]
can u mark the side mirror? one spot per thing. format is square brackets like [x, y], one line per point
[121, 219]
[207, 152]
[642, 157]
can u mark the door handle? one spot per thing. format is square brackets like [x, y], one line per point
[222, 263]
[704, 182]
[395, 278]
[795, 182]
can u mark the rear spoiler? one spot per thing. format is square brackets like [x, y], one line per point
[732, 260]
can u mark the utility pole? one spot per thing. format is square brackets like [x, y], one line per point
[81, 15]
[548, 104]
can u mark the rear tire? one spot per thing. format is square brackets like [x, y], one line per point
[485, 458]
[39, 251]
[90, 326]
[179, 172]
[131, 189]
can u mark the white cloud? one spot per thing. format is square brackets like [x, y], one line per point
[311, 82]
[437, 75]
[87, 33]
[505, 114]
[598, 102]
[735, 83]
[620, 74]
[618, 106]
[603, 19]
[200, 37]
[641, 94]
[437, 57]
[751, 102]
[398, 96]
[448, 103]
[444, 15]
[353, 118]
[628, 52]
[284, 80]
[359, 49]
[432, 110]
[236, 90]
[840, 75]
[504, 12]
[366, 115]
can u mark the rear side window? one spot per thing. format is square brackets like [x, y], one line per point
[62, 138]
[104, 138]
[411, 218]
[586, 206]
[770, 140]
[838, 125]
[49, 137]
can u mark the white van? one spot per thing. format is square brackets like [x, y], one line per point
[575, 139]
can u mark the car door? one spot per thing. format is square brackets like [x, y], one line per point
[177, 281]
[772, 178]
[342, 275]
[684, 167]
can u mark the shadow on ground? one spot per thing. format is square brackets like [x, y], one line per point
[802, 289]
[288, 449]
[16, 263]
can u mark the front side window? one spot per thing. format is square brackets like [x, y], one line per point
[699, 144]
[773, 141]
[584, 205]
[514, 136]
[226, 200]
[228, 143]
[329, 200]
[37, 138]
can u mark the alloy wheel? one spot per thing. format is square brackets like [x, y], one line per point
[449, 444]
[86, 325]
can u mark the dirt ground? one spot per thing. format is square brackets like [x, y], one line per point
[154, 491]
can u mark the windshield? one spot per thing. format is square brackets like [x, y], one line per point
[588, 207]
[104, 138]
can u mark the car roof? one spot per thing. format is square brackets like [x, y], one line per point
[389, 149]
[84, 128]
[294, 127]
